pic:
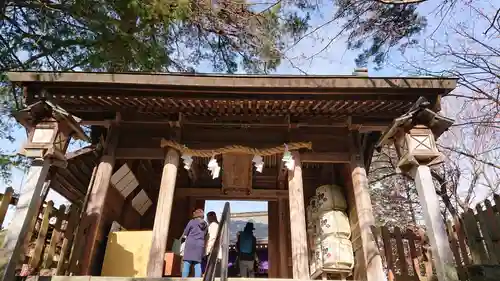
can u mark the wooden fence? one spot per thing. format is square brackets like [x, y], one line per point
[474, 239]
[51, 239]
[405, 254]
[6, 200]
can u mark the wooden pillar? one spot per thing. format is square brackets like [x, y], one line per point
[273, 234]
[21, 224]
[300, 257]
[163, 213]
[436, 230]
[368, 262]
[283, 243]
[288, 239]
[91, 229]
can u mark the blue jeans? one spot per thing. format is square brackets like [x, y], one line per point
[186, 266]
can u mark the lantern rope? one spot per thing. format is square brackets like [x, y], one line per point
[234, 148]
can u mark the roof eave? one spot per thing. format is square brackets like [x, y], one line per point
[441, 85]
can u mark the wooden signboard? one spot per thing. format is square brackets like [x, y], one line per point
[236, 173]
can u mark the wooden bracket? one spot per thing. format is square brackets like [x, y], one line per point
[355, 146]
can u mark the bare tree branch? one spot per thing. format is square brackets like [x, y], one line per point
[400, 2]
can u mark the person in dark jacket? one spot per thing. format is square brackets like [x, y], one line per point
[246, 246]
[194, 247]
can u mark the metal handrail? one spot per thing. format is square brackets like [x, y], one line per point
[221, 243]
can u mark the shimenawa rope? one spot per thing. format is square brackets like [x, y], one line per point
[234, 148]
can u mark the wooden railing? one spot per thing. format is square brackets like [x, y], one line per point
[405, 254]
[51, 241]
[475, 238]
[6, 200]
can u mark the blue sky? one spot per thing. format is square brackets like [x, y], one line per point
[235, 206]
[335, 60]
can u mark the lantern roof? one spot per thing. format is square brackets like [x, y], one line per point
[419, 114]
[36, 112]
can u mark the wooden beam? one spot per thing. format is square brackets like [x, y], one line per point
[156, 153]
[324, 157]
[298, 221]
[91, 223]
[367, 124]
[322, 140]
[216, 194]
[163, 214]
[22, 221]
[361, 123]
[79, 152]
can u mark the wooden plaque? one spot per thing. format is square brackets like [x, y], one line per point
[236, 172]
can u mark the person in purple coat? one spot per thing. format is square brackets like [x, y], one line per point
[194, 247]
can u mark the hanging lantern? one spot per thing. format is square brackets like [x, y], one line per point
[50, 129]
[258, 163]
[416, 147]
[414, 136]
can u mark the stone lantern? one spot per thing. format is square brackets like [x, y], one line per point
[50, 129]
[414, 136]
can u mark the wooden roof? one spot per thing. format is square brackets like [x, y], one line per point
[72, 182]
[287, 83]
[98, 96]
